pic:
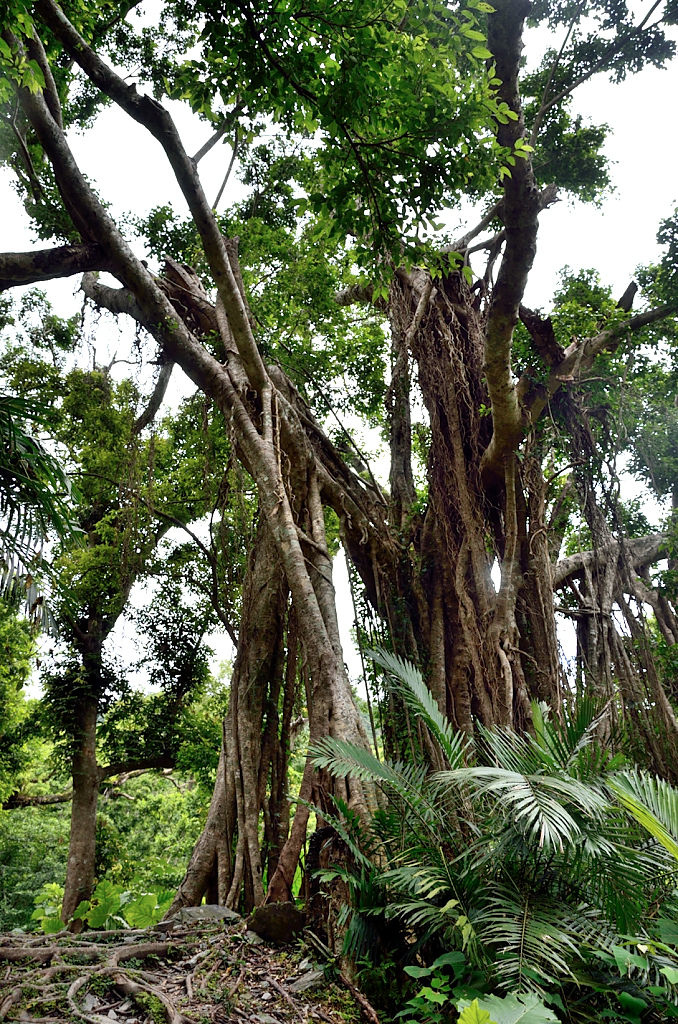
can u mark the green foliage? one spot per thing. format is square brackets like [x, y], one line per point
[35, 492]
[144, 839]
[400, 97]
[17, 646]
[33, 849]
[110, 907]
[522, 862]
[511, 1009]
[47, 911]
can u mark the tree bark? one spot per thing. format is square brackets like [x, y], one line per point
[82, 844]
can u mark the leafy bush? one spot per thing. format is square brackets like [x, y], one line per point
[542, 860]
[111, 907]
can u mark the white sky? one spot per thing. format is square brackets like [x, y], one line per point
[131, 173]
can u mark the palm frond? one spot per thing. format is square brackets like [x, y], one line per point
[407, 680]
[536, 939]
[401, 783]
[34, 488]
[539, 805]
[653, 802]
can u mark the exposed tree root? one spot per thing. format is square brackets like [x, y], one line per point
[202, 972]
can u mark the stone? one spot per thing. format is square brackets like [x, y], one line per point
[207, 912]
[277, 922]
[308, 980]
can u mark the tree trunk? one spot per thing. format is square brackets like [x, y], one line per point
[81, 851]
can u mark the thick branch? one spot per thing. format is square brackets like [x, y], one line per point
[354, 294]
[521, 208]
[580, 356]
[36, 799]
[153, 116]
[641, 551]
[17, 268]
[136, 764]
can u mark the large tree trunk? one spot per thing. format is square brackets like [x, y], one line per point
[81, 851]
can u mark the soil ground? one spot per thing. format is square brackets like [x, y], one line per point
[198, 973]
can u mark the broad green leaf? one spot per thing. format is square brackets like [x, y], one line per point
[140, 913]
[625, 959]
[472, 1014]
[632, 1004]
[433, 997]
[51, 925]
[513, 1009]
[418, 972]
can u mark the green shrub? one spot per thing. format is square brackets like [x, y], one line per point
[541, 860]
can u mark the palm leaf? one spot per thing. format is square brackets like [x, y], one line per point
[653, 803]
[536, 804]
[407, 681]
[536, 939]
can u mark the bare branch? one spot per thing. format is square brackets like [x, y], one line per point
[228, 171]
[153, 116]
[640, 550]
[614, 48]
[156, 399]
[18, 268]
[211, 142]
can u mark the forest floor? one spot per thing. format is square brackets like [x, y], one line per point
[195, 972]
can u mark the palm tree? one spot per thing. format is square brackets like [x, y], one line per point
[521, 851]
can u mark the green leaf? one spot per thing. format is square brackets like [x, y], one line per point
[418, 972]
[472, 1014]
[668, 930]
[481, 52]
[81, 910]
[626, 959]
[433, 997]
[511, 1009]
[140, 913]
[670, 973]
[51, 925]
[454, 960]
[632, 1005]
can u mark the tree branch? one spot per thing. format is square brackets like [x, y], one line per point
[640, 550]
[153, 116]
[19, 268]
[17, 800]
[580, 355]
[521, 209]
